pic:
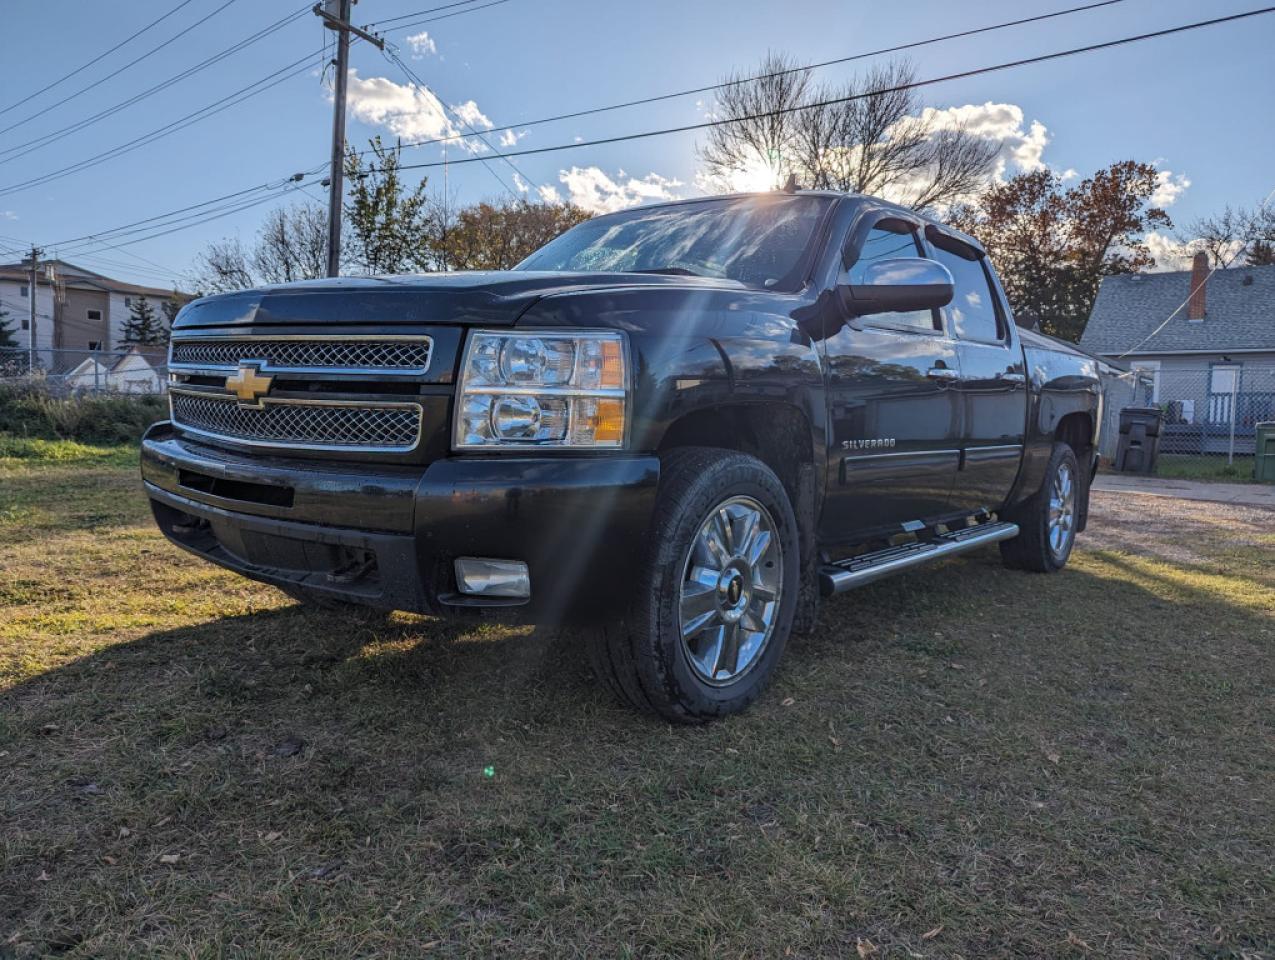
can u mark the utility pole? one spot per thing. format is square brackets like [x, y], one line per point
[336, 16]
[36, 252]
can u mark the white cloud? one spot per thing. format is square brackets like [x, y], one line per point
[422, 45]
[1170, 254]
[470, 114]
[595, 191]
[1169, 187]
[510, 138]
[409, 111]
[1021, 148]
[520, 183]
[8, 215]
[549, 194]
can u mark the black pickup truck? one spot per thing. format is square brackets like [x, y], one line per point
[681, 424]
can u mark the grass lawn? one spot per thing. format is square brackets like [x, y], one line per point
[962, 762]
[1214, 468]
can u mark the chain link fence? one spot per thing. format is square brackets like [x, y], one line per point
[1210, 410]
[139, 370]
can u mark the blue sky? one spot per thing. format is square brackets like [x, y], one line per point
[1197, 103]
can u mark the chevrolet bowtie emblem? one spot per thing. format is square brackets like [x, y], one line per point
[249, 385]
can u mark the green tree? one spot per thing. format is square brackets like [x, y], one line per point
[497, 236]
[143, 325]
[8, 341]
[389, 223]
[1053, 244]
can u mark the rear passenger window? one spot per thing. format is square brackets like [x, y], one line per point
[886, 241]
[973, 310]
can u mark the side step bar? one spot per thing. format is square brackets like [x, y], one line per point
[848, 574]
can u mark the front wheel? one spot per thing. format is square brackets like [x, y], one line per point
[1047, 520]
[716, 596]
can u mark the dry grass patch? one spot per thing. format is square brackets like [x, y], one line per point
[961, 762]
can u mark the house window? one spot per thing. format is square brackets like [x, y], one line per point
[95, 314]
[24, 291]
[128, 303]
[95, 344]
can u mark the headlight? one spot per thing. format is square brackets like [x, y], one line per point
[542, 390]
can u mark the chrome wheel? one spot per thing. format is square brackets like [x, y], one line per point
[1062, 510]
[729, 597]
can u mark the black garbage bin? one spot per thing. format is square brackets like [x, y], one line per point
[1139, 439]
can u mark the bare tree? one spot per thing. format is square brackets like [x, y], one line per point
[764, 134]
[221, 267]
[292, 245]
[1235, 232]
[866, 136]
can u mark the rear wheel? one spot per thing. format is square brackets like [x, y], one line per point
[1047, 521]
[715, 600]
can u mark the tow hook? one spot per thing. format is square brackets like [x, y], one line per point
[355, 570]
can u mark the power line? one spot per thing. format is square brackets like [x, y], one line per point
[393, 55]
[672, 130]
[708, 88]
[978, 71]
[702, 89]
[444, 16]
[293, 69]
[98, 58]
[52, 137]
[96, 83]
[418, 13]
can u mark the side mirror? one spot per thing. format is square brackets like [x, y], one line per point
[898, 285]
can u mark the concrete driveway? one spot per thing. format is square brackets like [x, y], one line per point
[1240, 494]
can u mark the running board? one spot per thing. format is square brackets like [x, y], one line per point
[848, 574]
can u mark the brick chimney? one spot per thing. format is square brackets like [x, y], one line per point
[1199, 273]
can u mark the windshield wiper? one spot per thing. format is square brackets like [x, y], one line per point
[670, 271]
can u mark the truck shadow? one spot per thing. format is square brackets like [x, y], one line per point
[348, 735]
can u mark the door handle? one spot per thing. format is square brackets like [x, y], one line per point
[943, 373]
[1014, 377]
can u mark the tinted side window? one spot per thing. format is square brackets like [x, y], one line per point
[973, 308]
[883, 243]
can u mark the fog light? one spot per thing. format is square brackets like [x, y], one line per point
[482, 577]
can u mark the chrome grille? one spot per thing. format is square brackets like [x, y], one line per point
[381, 354]
[325, 424]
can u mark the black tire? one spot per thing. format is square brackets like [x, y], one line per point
[644, 660]
[1032, 549]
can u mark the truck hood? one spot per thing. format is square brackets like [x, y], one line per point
[496, 297]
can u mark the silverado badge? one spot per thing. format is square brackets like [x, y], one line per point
[249, 385]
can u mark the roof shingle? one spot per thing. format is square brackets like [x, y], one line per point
[1240, 313]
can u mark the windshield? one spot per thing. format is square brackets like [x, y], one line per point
[761, 240]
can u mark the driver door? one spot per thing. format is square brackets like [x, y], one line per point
[893, 406]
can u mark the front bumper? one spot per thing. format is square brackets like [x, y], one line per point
[387, 535]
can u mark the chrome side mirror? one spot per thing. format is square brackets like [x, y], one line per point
[898, 285]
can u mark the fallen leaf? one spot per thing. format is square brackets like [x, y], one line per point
[125, 832]
[289, 747]
[108, 860]
[272, 836]
[1075, 941]
[865, 948]
[323, 871]
[216, 733]
[44, 876]
[956, 666]
[788, 702]
[164, 821]
[931, 934]
[1053, 757]
[169, 858]
[50, 728]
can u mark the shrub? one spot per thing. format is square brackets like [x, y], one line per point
[31, 410]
